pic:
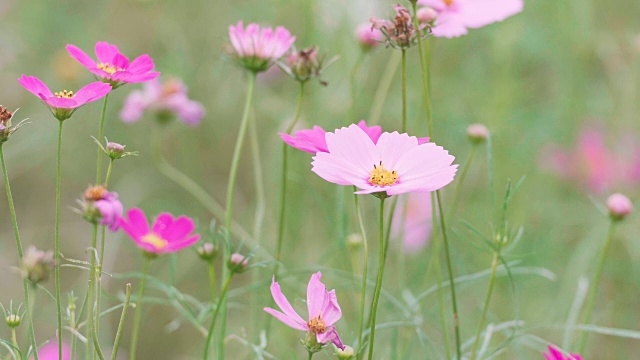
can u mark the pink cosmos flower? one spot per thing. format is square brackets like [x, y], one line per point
[395, 164]
[313, 141]
[368, 37]
[163, 99]
[412, 222]
[50, 351]
[555, 354]
[113, 67]
[111, 210]
[456, 16]
[258, 48]
[64, 103]
[323, 308]
[167, 235]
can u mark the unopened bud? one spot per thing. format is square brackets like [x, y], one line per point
[13, 321]
[345, 354]
[207, 251]
[354, 240]
[37, 264]
[238, 262]
[426, 15]
[477, 133]
[115, 150]
[619, 206]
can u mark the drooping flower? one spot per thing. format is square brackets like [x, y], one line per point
[395, 164]
[306, 64]
[412, 222]
[167, 235]
[368, 37]
[37, 264]
[113, 67]
[165, 100]
[555, 354]
[456, 16]
[100, 206]
[323, 310]
[257, 49]
[64, 103]
[50, 351]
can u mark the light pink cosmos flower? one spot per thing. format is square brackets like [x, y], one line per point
[167, 235]
[395, 164]
[50, 351]
[313, 141]
[258, 48]
[412, 222]
[555, 354]
[322, 306]
[163, 99]
[64, 103]
[111, 210]
[113, 67]
[456, 16]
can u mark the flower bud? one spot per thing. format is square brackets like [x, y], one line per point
[37, 264]
[426, 14]
[477, 133]
[346, 354]
[115, 150]
[13, 321]
[354, 241]
[619, 206]
[207, 251]
[238, 263]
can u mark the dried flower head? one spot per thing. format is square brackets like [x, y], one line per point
[37, 264]
[304, 65]
[5, 115]
[5, 124]
[400, 33]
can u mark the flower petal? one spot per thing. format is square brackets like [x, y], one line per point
[35, 86]
[82, 57]
[285, 306]
[106, 52]
[91, 92]
[316, 292]
[330, 335]
[287, 320]
[331, 312]
[392, 146]
[354, 145]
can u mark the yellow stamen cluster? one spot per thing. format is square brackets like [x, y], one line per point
[155, 240]
[64, 94]
[317, 325]
[448, 2]
[382, 177]
[110, 69]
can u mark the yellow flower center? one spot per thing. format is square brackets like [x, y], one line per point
[448, 2]
[317, 325]
[156, 241]
[110, 69]
[64, 94]
[382, 177]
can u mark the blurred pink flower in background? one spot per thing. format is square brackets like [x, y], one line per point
[592, 165]
[113, 67]
[110, 209]
[368, 37]
[163, 99]
[323, 307]
[50, 351]
[167, 235]
[412, 222]
[456, 16]
[555, 354]
[64, 103]
[258, 48]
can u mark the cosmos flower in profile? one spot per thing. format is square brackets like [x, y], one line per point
[555, 354]
[256, 48]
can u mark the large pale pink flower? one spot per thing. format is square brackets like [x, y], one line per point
[50, 351]
[113, 67]
[395, 164]
[64, 103]
[167, 235]
[258, 48]
[412, 222]
[322, 306]
[555, 354]
[456, 16]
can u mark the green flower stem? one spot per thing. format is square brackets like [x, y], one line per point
[138, 314]
[123, 317]
[310, 355]
[352, 84]
[16, 232]
[100, 136]
[57, 240]
[258, 179]
[101, 262]
[212, 280]
[454, 301]
[92, 293]
[378, 290]
[593, 289]
[221, 301]
[426, 74]
[404, 90]
[383, 88]
[365, 267]
[106, 180]
[283, 189]
[463, 175]
[14, 338]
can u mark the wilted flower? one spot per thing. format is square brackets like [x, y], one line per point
[50, 351]
[412, 222]
[167, 235]
[64, 103]
[6, 129]
[113, 67]
[37, 264]
[102, 206]
[257, 49]
[456, 16]
[401, 32]
[619, 206]
[477, 133]
[368, 37]
[324, 311]
[395, 164]
[555, 354]
[164, 100]
[304, 65]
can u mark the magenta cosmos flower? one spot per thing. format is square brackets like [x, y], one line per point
[163, 99]
[50, 351]
[456, 16]
[555, 354]
[395, 164]
[322, 306]
[167, 235]
[64, 103]
[313, 141]
[113, 67]
[258, 48]
[110, 209]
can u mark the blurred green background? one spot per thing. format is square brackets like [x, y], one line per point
[535, 79]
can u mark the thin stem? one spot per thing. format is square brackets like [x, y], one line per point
[454, 302]
[310, 355]
[404, 90]
[100, 136]
[383, 87]
[352, 85]
[492, 280]
[57, 240]
[378, 290]
[223, 296]
[424, 65]
[593, 290]
[138, 314]
[14, 338]
[16, 232]
[258, 179]
[212, 280]
[91, 313]
[123, 317]
[463, 175]
[101, 262]
[106, 180]
[365, 267]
